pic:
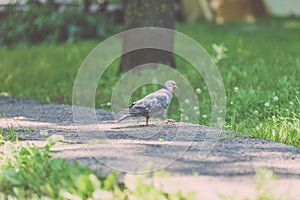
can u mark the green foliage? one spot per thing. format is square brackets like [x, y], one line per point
[31, 172]
[8, 134]
[143, 187]
[280, 128]
[264, 178]
[11, 133]
[44, 22]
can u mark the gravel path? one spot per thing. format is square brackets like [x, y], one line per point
[182, 149]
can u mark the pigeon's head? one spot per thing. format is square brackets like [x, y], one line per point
[170, 85]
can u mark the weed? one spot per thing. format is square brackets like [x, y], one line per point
[8, 134]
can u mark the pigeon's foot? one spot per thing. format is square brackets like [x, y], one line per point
[170, 121]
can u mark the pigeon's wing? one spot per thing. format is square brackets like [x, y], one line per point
[153, 104]
[163, 100]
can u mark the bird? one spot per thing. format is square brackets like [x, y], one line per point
[153, 105]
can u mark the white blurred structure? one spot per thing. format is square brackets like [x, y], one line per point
[283, 7]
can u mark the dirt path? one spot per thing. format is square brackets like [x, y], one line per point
[225, 164]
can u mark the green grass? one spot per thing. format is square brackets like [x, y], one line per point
[8, 134]
[259, 63]
[44, 72]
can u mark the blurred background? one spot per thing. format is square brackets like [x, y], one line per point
[32, 21]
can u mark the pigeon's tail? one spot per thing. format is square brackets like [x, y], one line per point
[123, 117]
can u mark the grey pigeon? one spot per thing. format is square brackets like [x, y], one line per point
[154, 104]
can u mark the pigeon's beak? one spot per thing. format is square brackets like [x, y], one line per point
[175, 86]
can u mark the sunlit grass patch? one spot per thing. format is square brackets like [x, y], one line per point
[284, 129]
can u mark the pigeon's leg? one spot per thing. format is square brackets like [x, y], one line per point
[147, 119]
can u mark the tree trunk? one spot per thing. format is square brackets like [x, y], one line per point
[147, 13]
[86, 6]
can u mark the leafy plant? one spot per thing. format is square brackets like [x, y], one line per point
[31, 172]
[44, 22]
[8, 134]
